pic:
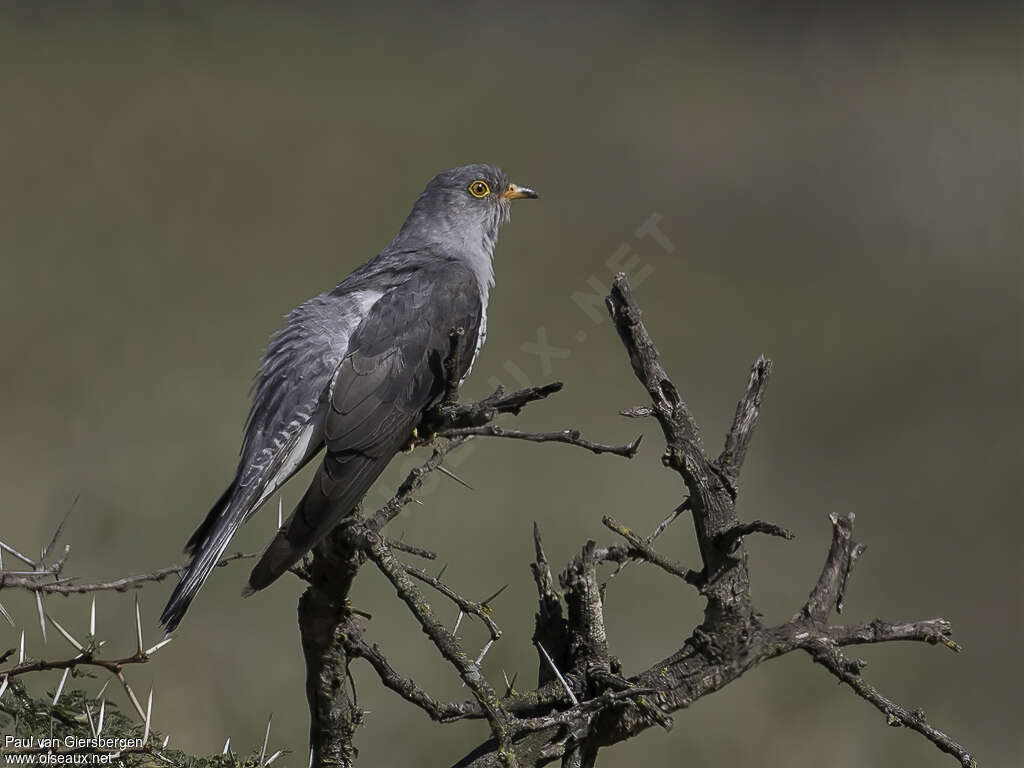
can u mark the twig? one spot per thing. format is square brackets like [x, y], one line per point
[848, 672]
[9, 579]
[932, 631]
[426, 554]
[729, 537]
[640, 548]
[738, 439]
[448, 645]
[407, 688]
[479, 610]
[566, 436]
[827, 594]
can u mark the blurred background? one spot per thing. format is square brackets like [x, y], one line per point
[837, 187]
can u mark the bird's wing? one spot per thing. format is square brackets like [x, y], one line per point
[393, 371]
[290, 392]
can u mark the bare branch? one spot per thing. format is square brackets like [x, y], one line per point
[830, 657]
[738, 439]
[412, 483]
[711, 491]
[729, 537]
[33, 583]
[407, 688]
[639, 548]
[448, 645]
[479, 610]
[567, 436]
[400, 545]
[828, 592]
[932, 631]
[487, 410]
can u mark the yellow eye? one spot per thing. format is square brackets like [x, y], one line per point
[479, 189]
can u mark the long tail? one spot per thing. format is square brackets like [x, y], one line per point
[338, 487]
[206, 547]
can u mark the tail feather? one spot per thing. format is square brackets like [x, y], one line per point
[212, 517]
[206, 547]
[338, 487]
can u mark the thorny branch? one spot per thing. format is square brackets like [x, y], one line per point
[50, 581]
[42, 578]
[86, 656]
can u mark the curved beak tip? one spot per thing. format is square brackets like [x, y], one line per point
[516, 192]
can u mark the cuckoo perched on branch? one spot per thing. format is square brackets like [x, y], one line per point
[355, 369]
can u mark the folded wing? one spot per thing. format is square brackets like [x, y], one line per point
[391, 374]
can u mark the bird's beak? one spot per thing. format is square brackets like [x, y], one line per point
[515, 192]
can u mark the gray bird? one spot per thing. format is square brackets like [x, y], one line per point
[355, 369]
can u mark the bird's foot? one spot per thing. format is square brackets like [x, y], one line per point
[412, 442]
[418, 439]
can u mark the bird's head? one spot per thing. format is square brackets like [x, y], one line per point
[463, 208]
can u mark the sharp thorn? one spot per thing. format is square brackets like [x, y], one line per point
[92, 618]
[12, 551]
[158, 646]
[42, 615]
[227, 746]
[445, 471]
[103, 714]
[458, 622]
[486, 602]
[67, 635]
[92, 725]
[558, 674]
[266, 739]
[483, 652]
[149, 715]
[102, 690]
[6, 615]
[138, 624]
[21, 648]
[3, 685]
[134, 699]
[60, 688]
[58, 532]
[280, 512]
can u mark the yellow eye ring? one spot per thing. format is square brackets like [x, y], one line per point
[479, 188]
